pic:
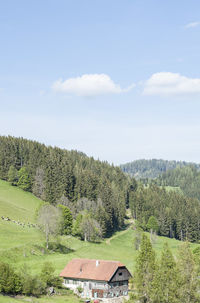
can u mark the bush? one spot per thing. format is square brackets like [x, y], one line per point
[80, 289]
[10, 282]
[32, 285]
[48, 277]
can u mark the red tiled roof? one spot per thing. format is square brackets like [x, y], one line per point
[91, 270]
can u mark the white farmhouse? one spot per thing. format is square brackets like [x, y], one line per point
[96, 278]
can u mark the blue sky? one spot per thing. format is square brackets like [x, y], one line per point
[118, 80]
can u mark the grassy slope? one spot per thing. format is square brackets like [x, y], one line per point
[20, 206]
[25, 245]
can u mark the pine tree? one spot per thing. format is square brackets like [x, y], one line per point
[145, 271]
[66, 221]
[189, 288]
[24, 181]
[12, 175]
[165, 287]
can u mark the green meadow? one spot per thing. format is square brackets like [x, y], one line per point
[25, 245]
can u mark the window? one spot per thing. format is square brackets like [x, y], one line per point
[66, 281]
[120, 273]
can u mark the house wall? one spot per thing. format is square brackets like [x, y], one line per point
[98, 289]
[122, 274]
[87, 286]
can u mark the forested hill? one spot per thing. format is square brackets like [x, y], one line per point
[60, 176]
[186, 178]
[152, 168]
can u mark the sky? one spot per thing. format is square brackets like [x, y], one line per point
[118, 80]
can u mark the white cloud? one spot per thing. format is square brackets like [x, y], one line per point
[192, 24]
[89, 85]
[166, 83]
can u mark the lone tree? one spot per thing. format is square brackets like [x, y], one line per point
[49, 221]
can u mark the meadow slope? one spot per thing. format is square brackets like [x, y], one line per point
[25, 245]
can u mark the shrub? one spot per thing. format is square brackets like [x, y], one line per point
[10, 282]
[48, 277]
[32, 285]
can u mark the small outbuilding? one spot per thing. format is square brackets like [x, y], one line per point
[96, 278]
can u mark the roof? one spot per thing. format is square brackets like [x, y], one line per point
[100, 270]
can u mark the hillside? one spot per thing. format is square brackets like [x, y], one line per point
[56, 175]
[21, 246]
[152, 168]
[186, 178]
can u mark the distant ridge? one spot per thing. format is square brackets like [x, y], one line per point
[152, 168]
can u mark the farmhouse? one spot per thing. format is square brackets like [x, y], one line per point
[96, 278]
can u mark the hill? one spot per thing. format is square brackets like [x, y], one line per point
[55, 175]
[152, 168]
[24, 245]
[186, 178]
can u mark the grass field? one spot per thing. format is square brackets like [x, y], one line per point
[45, 299]
[20, 245]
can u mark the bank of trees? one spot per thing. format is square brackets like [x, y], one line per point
[54, 174]
[186, 178]
[168, 213]
[150, 169]
[165, 279]
[97, 194]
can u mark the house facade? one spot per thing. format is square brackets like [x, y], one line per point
[96, 278]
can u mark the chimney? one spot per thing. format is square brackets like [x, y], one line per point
[97, 263]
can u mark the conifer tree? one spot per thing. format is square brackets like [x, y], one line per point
[145, 271]
[66, 220]
[165, 286]
[189, 288]
[24, 181]
[12, 175]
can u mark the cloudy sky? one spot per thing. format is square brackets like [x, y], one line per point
[118, 79]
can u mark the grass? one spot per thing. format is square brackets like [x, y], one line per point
[174, 188]
[19, 246]
[50, 299]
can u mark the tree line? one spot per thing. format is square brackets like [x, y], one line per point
[186, 178]
[168, 213]
[94, 195]
[166, 279]
[59, 176]
[151, 169]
